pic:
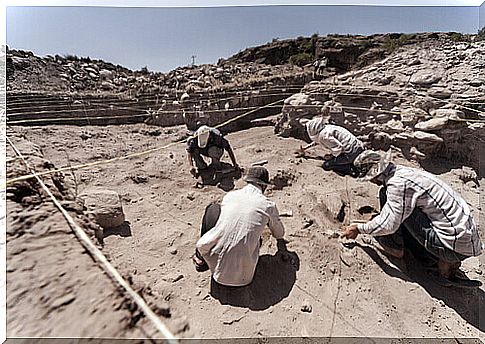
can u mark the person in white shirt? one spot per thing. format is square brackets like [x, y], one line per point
[421, 209]
[231, 232]
[343, 145]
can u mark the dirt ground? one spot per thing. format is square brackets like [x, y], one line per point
[323, 289]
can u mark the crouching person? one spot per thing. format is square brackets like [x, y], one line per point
[208, 142]
[419, 207]
[343, 145]
[231, 231]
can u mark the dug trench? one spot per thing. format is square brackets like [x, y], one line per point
[322, 288]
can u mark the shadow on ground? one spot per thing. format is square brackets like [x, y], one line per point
[123, 231]
[273, 280]
[467, 302]
[222, 177]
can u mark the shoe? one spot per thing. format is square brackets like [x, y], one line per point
[448, 270]
[200, 265]
[387, 249]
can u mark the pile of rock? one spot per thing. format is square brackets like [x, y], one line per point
[27, 72]
[424, 99]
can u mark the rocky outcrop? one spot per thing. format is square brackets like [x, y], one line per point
[422, 99]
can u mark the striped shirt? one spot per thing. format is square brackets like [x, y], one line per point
[448, 212]
[338, 140]
[231, 248]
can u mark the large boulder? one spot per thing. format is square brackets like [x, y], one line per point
[425, 78]
[105, 206]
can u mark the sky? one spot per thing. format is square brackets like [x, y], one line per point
[163, 38]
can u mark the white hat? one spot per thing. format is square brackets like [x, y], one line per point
[314, 127]
[371, 163]
[202, 136]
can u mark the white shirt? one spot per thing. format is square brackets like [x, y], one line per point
[231, 248]
[448, 212]
[338, 140]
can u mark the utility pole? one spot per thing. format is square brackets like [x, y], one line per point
[193, 59]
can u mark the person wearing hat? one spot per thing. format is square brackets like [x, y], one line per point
[343, 145]
[207, 142]
[231, 231]
[418, 211]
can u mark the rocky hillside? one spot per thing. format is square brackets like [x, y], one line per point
[27, 72]
[344, 52]
[426, 99]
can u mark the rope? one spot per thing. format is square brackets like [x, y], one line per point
[143, 110]
[137, 154]
[87, 118]
[99, 257]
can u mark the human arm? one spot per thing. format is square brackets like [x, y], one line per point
[399, 205]
[275, 225]
[231, 155]
[189, 150]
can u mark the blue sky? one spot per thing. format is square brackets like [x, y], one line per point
[165, 38]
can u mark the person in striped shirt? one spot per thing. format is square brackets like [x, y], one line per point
[416, 205]
[344, 147]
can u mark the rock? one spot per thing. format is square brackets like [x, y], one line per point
[184, 97]
[191, 196]
[448, 113]
[394, 126]
[431, 138]
[433, 124]
[466, 174]
[106, 207]
[439, 92]
[105, 85]
[282, 179]
[107, 74]
[424, 78]
[410, 116]
[416, 154]
[64, 300]
[298, 99]
[477, 82]
[306, 307]
[139, 179]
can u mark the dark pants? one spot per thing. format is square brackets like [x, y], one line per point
[211, 215]
[343, 164]
[212, 152]
[417, 234]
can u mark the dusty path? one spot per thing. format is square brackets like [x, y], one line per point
[352, 292]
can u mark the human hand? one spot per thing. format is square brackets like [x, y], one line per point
[193, 172]
[350, 232]
[300, 152]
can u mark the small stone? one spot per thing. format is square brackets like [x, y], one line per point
[178, 278]
[173, 251]
[306, 307]
[191, 196]
[64, 300]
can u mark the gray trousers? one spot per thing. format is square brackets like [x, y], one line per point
[417, 234]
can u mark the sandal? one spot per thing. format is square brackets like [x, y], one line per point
[200, 264]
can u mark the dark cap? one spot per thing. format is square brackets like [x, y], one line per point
[257, 175]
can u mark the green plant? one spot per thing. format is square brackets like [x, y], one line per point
[301, 59]
[458, 37]
[391, 43]
[71, 57]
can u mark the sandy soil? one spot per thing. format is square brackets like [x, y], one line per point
[351, 291]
